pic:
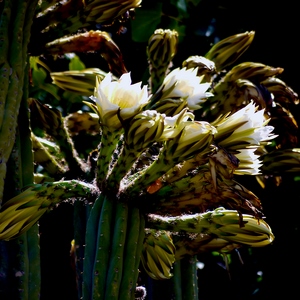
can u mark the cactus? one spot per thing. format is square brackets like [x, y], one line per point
[161, 186]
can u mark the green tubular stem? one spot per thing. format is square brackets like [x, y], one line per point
[140, 243]
[17, 60]
[189, 280]
[109, 141]
[25, 144]
[91, 247]
[102, 256]
[124, 163]
[135, 234]
[176, 280]
[115, 269]
[79, 223]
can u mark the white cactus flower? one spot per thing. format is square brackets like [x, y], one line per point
[184, 83]
[245, 128]
[111, 96]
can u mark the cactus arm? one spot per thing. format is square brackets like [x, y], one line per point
[103, 248]
[115, 268]
[176, 280]
[189, 280]
[90, 247]
[135, 236]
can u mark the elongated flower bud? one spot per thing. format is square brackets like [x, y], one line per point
[90, 41]
[226, 224]
[200, 192]
[194, 244]
[162, 46]
[46, 117]
[18, 214]
[104, 12]
[158, 254]
[196, 137]
[81, 82]
[282, 93]
[227, 51]
[252, 71]
[281, 161]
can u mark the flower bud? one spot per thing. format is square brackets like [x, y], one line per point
[162, 46]
[227, 51]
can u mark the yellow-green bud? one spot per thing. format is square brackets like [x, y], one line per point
[158, 254]
[105, 12]
[162, 46]
[252, 71]
[227, 51]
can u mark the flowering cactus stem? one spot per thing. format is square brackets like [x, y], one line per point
[125, 161]
[109, 141]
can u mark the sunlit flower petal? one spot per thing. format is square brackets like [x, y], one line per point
[184, 83]
[245, 128]
[249, 163]
[111, 96]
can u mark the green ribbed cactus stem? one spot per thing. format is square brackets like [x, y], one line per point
[176, 280]
[103, 248]
[20, 263]
[17, 19]
[81, 214]
[125, 161]
[132, 253]
[90, 250]
[189, 278]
